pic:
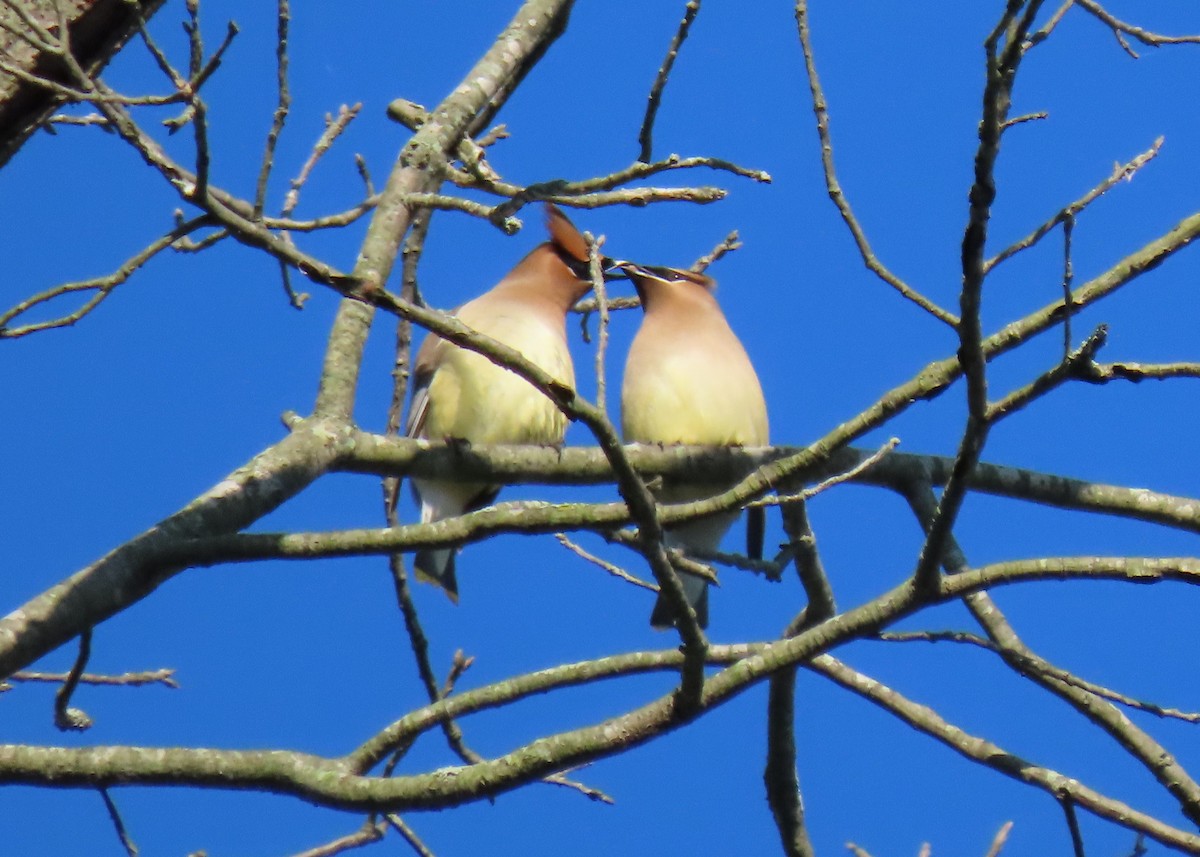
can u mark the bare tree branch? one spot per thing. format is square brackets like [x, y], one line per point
[1121, 28]
[133, 679]
[645, 136]
[366, 835]
[1120, 173]
[99, 29]
[986, 753]
[118, 824]
[821, 110]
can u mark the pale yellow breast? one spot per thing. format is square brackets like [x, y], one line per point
[692, 395]
[474, 399]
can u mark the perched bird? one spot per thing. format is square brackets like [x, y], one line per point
[688, 380]
[463, 396]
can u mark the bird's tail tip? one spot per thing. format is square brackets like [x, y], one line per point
[436, 566]
[664, 615]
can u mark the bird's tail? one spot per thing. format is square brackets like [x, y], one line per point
[696, 589]
[440, 500]
[436, 566]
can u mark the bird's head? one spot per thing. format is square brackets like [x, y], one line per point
[571, 247]
[654, 282]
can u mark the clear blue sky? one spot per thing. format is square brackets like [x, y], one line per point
[181, 376]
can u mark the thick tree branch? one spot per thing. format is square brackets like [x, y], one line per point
[98, 28]
[418, 170]
[338, 783]
[127, 574]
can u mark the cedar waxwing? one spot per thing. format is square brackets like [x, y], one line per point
[688, 380]
[461, 395]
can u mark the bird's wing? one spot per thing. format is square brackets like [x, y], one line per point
[424, 368]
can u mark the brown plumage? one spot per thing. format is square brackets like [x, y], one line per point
[688, 380]
[461, 395]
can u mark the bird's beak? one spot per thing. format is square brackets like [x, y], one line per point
[609, 269]
[613, 269]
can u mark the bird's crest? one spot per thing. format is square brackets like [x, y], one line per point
[564, 235]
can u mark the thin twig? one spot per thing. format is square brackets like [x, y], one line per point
[1068, 278]
[1120, 173]
[328, 221]
[477, 175]
[200, 76]
[296, 300]
[199, 119]
[1021, 120]
[64, 27]
[65, 717]
[614, 570]
[282, 106]
[502, 215]
[89, 119]
[999, 759]
[821, 111]
[1138, 372]
[1076, 365]
[999, 840]
[459, 665]
[730, 243]
[365, 835]
[134, 679]
[493, 136]
[102, 286]
[560, 779]
[837, 479]
[807, 559]
[1042, 667]
[74, 96]
[596, 272]
[115, 815]
[1120, 27]
[566, 191]
[418, 642]
[159, 56]
[780, 775]
[414, 246]
[679, 560]
[334, 127]
[588, 305]
[646, 134]
[364, 172]
[1055, 19]
[410, 835]
[1068, 807]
